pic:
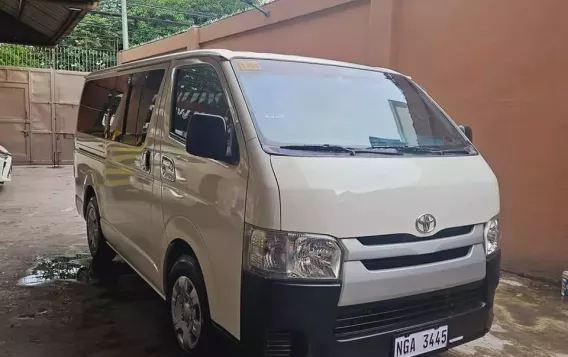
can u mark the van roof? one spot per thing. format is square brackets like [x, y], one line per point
[227, 54]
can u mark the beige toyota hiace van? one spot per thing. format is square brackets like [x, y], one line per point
[292, 206]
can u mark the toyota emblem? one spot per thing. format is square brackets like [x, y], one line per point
[425, 223]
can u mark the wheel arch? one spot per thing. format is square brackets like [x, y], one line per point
[188, 241]
[89, 193]
[177, 248]
[90, 190]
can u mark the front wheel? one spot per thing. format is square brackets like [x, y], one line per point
[189, 308]
[98, 246]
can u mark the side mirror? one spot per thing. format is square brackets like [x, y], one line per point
[467, 131]
[207, 136]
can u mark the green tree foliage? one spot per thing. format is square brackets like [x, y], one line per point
[94, 42]
[22, 56]
[104, 33]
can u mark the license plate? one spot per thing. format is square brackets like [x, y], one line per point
[421, 342]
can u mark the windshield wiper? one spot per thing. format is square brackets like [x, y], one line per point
[322, 148]
[409, 149]
[424, 149]
[378, 150]
[466, 150]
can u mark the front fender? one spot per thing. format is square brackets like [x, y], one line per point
[179, 227]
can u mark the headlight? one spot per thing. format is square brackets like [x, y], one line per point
[492, 234]
[288, 255]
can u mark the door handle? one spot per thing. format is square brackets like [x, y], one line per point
[145, 160]
[168, 169]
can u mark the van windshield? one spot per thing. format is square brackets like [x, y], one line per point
[297, 104]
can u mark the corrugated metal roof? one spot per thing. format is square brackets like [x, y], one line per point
[10, 6]
[40, 22]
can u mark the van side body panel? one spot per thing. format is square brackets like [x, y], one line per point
[129, 198]
[263, 196]
[89, 169]
[204, 205]
[134, 221]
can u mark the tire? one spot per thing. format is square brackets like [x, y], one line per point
[98, 246]
[186, 275]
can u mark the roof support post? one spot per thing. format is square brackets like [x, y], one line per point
[21, 6]
[124, 25]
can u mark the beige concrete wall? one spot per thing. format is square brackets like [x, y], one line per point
[497, 65]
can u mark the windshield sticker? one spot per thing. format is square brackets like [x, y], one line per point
[249, 66]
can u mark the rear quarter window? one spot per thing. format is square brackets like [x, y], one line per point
[120, 108]
[91, 111]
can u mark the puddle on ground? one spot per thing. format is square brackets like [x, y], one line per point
[79, 267]
[55, 268]
[118, 280]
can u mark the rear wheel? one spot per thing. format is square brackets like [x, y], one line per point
[98, 246]
[189, 308]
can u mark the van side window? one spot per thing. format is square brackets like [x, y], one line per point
[100, 106]
[112, 112]
[95, 102]
[116, 110]
[143, 90]
[198, 90]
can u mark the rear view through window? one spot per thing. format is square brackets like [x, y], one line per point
[120, 108]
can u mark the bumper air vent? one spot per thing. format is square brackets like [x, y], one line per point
[279, 344]
[368, 319]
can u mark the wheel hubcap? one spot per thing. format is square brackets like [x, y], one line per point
[186, 313]
[92, 230]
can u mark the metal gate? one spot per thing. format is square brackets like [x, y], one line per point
[38, 113]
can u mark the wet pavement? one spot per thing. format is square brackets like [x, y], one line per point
[531, 319]
[55, 302]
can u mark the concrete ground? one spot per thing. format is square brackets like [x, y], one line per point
[80, 315]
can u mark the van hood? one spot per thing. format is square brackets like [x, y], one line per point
[361, 196]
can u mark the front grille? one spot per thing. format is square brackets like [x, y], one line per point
[367, 319]
[409, 238]
[413, 260]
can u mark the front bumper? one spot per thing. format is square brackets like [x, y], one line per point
[282, 318]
